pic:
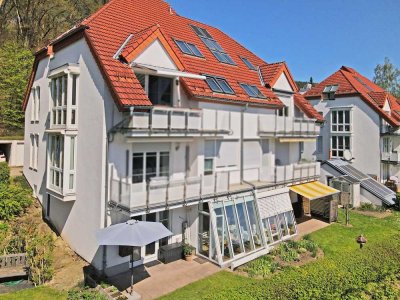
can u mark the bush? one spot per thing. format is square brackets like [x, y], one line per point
[370, 207]
[13, 201]
[85, 294]
[4, 173]
[39, 250]
[262, 266]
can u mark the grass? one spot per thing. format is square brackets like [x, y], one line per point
[344, 267]
[12, 137]
[38, 293]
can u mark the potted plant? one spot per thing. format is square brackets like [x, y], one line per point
[188, 252]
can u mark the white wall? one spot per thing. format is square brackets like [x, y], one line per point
[365, 138]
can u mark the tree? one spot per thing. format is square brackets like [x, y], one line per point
[16, 62]
[388, 77]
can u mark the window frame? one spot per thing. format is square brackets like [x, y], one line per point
[248, 63]
[252, 91]
[335, 151]
[189, 48]
[217, 81]
[145, 174]
[336, 124]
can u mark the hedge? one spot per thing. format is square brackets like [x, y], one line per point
[4, 173]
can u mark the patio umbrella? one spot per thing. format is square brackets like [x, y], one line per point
[132, 233]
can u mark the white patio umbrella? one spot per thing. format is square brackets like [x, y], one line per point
[132, 233]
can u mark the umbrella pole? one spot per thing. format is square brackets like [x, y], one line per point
[131, 271]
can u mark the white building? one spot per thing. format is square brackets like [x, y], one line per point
[13, 151]
[361, 118]
[166, 119]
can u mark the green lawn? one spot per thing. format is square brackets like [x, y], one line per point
[39, 293]
[346, 272]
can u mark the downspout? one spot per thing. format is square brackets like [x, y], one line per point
[242, 142]
[109, 139]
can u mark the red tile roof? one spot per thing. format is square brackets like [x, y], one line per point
[143, 20]
[307, 108]
[353, 83]
[270, 74]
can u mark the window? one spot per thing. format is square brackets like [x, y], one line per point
[74, 99]
[283, 112]
[164, 219]
[248, 64]
[387, 145]
[148, 165]
[35, 104]
[214, 47]
[219, 85]
[62, 163]
[189, 48]
[363, 83]
[159, 89]
[329, 92]
[340, 121]
[252, 90]
[59, 90]
[208, 166]
[339, 144]
[34, 151]
[279, 226]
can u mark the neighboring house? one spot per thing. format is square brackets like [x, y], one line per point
[361, 118]
[148, 115]
[12, 151]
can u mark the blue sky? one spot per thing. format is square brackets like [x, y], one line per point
[315, 37]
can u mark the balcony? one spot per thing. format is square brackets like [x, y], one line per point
[162, 192]
[390, 157]
[170, 121]
[273, 125]
[389, 130]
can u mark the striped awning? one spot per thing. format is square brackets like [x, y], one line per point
[313, 190]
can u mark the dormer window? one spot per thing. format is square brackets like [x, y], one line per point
[329, 92]
[252, 91]
[248, 64]
[159, 89]
[189, 48]
[219, 85]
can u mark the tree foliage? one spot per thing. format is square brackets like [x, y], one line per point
[16, 62]
[388, 77]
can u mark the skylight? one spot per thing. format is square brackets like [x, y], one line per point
[219, 85]
[252, 90]
[248, 64]
[363, 83]
[189, 48]
[212, 44]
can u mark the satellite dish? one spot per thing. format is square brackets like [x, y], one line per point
[347, 155]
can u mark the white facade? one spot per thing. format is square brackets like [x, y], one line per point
[167, 159]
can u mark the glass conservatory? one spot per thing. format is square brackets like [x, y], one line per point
[233, 227]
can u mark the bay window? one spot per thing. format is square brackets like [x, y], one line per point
[62, 163]
[64, 95]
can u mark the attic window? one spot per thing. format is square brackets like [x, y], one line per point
[189, 48]
[219, 85]
[214, 47]
[329, 92]
[252, 90]
[364, 84]
[248, 64]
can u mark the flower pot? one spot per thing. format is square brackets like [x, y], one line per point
[189, 257]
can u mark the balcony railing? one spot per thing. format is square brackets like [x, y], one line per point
[287, 126]
[392, 157]
[164, 191]
[389, 130]
[170, 120]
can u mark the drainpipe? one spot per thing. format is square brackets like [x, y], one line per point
[109, 139]
[242, 142]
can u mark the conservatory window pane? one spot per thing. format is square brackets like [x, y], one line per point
[267, 231]
[255, 227]
[244, 225]
[283, 225]
[222, 231]
[233, 227]
[291, 223]
[274, 228]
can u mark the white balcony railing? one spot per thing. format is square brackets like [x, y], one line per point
[284, 126]
[169, 120]
[393, 157]
[164, 191]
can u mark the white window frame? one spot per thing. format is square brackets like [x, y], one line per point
[335, 151]
[35, 107]
[387, 146]
[34, 151]
[158, 164]
[341, 127]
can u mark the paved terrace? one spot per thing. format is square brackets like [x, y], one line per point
[160, 279]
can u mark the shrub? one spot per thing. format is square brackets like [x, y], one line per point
[39, 250]
[370, 207]
[4, 173]
[287, 251]
[13, 201]
[262, 266]
[85, 294]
